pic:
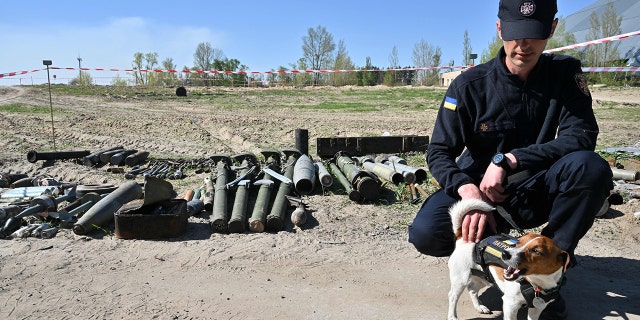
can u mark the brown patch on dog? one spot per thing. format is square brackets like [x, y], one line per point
[540, 255]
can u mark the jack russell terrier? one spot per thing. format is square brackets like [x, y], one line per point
[528, 270]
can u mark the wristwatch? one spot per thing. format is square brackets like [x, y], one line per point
[500, 160]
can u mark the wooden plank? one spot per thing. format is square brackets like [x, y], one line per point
[360, 146]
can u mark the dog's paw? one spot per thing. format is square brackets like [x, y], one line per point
[483, 309]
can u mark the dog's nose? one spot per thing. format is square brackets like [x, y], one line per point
[506, 255]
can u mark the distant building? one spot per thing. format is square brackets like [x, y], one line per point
[447, 77]
[578, 24]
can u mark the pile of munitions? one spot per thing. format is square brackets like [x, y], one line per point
[239, 193]
[117, 156]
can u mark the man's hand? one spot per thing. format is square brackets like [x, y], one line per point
[474, 222]
[491, 185]
[473, 225]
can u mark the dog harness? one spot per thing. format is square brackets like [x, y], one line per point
[489, 252]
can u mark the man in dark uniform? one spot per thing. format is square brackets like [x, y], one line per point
[523, 111]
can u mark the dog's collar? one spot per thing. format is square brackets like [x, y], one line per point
[531, 291]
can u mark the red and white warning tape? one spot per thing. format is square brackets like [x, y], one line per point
[588, 43]
[578, 45]
[610, 69]
[11, 74]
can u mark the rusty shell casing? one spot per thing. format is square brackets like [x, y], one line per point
[209, 193]
[103, 211]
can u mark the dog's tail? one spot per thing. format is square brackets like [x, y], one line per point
[460, 208]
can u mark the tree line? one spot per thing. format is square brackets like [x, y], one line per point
[320, 52]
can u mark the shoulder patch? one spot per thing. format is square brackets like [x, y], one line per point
[581, 81]
[450, 103]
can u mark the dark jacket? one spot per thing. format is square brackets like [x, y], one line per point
[487, 110]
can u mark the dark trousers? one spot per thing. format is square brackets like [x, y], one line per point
[567, 196]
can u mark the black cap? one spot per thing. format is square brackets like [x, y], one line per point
[526, 19]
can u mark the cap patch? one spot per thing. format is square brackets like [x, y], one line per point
[581, 81]
[527, 8]
[450, 103]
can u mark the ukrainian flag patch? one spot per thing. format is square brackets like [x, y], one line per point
[450, 103]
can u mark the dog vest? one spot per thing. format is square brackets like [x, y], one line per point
[489, 252]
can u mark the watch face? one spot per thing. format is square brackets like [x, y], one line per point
[498, 158]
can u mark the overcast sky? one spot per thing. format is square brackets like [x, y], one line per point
[262, 35]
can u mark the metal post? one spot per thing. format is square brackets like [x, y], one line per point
[79, 70]
[53, 130]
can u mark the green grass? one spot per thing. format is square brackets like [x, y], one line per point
[356, 99]
[342, 106]
[24, 108]
[612, 111]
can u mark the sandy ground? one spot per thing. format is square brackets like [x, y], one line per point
[350, 261]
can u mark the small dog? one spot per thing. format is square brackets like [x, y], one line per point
[534, 262]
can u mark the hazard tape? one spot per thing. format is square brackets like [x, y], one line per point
[589, 43]
[218, 72]
[610, 69]
[573, 46]
[227, 72]
[11, 74]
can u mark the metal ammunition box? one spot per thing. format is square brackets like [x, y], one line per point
[167, 219]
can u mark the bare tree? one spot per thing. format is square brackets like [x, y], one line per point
[317, 49]
[424, 56]
[466, 49]
[393, 58]
[390, 77]
[205, 56]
